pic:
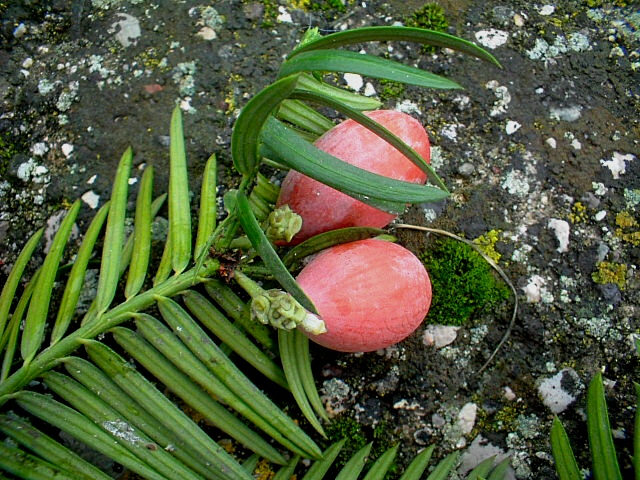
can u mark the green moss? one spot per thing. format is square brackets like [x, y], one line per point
[347, 427]
[463, 282]
[390, 89]
[7, 151]
[430, 16]
[357, 435]
[610, 272]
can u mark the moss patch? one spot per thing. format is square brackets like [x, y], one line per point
[430, 16]
[463, 282]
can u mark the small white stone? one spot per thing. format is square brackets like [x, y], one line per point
[551, 142]
[92, 179]
[566, 114]
[91, 198]
[132, 181]
[600, 215]
[284, 16]
[67, 149]
[39, 149]
[492, 38]
[369, 90]
[617, 164]
[562, 229]
[439, 335]
[467, 417]
[19, 31]
[207, 33]
[546, 10]
[407, 106]
[27, 63]
[575, 143]
[354, 81]
[533, 290]
[512, 127]
[553, 395]
[509, 394]
[127, 29]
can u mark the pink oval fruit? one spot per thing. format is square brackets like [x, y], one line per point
[323, 208]
[370, 293]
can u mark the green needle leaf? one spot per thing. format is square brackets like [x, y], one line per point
[418, 465]
[292, 359]
[219, 364]
[379, 130]
[179, 208]
[320, 467]
[10, 287]
[295, 256]
[145, 393]
[379, 469]
[284, 145]
[367, 65]
[114, 236]
[83, 429]
[603, 452]
[27, 466]
[244, 140]
[566, 464]
[192, 394]
[445, 467]
[182, 357]
[36, 319]
[75, 282]
[141, 236]
[636, 432]
[355, 465]
[49, 449]
[222, 328]
[405, 34]
[208, 208]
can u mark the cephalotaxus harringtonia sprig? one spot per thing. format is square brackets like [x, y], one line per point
[278, 308]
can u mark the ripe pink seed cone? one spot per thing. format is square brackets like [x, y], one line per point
[321, 207]
[371, 294]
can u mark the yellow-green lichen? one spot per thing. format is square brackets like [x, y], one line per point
[578, 213]
[487, 243]
[627, 230]
[610, 272]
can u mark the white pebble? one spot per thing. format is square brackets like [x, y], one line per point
[467, 417]
[439, 335]
[512, 127]
[91, 198]
[553, 395]
[67, 149]
[562, 229]
[492, 38]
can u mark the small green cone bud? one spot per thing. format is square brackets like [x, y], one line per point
[281, 310]
[282, 224]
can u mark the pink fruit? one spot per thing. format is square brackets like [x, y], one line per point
[370, 293]
[321, 207]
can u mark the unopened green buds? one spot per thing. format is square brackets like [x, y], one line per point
[283, 224]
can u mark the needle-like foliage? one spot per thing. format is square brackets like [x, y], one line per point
[147, 375]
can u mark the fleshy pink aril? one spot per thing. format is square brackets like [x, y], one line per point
[370, 293]
[323, 208]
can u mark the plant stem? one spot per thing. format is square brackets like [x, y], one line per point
[49, 357]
